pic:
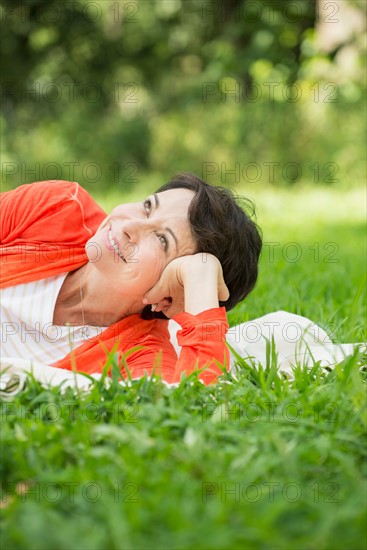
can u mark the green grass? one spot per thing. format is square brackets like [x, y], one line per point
[260, 462]
[314, 259]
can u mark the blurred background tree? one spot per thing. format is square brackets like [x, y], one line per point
[241, 92]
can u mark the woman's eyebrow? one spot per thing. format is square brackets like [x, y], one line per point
[157, 203]
[156, 200]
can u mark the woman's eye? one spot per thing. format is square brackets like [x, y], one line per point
[147, 205]
[163, 240]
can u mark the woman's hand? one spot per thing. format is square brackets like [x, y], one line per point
[190, 283]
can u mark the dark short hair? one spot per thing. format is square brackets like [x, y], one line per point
[222, 224]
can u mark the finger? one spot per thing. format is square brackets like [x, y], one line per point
[223, 293]
[154, 295]
[162, 305]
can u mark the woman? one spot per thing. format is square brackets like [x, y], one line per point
[78, 285]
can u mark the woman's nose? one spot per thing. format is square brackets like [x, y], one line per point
[135, 228]
[130, 228]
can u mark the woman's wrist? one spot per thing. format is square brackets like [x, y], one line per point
[191, 284]
[200, 281]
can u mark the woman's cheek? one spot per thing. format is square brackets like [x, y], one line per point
[150, 264]
[105, 221]
[93, 249]
[131, 253]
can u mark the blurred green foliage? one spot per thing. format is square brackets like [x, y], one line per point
[111, 92]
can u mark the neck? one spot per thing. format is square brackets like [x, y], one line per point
[84, 299]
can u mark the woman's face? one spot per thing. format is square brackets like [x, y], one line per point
[136, 241]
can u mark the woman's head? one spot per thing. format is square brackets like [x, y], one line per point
[185, 216]
[221, 226]
[136, 241]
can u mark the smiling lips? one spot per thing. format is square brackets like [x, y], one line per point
[114, 245]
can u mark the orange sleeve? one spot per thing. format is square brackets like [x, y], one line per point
[31, 214]
[43, 230]
[203, 343]
[203, 346]
[157, 356]
[140, 346]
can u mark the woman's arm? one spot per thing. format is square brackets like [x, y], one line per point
[203, 344]
[192, 284]
[189, 290]
[44, 228]
[53, 211]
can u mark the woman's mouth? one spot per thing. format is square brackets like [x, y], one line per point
[113, 245]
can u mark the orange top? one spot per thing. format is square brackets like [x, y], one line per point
[44, 229]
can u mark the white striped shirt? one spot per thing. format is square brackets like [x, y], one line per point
[26, 314]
